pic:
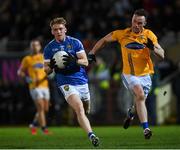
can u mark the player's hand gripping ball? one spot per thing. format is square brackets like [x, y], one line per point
[58, 59]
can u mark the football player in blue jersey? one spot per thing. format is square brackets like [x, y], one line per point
[71, 80]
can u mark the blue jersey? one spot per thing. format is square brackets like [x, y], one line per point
[73, 46]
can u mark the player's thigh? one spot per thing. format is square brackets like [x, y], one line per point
[37, 97]
[84, 96]
[146, 83]
[46, 98]
[137, 84]
[72, 96]
[83, 91]
[138, 91]
[130, 81]
[46, 105]
[68, 90]
[37, 94]
[75, 102]
[39, 104]
[142, 89]
[46, 93]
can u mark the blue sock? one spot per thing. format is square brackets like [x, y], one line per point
[145, 125]
[90, 134]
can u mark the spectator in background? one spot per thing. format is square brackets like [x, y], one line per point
[93, 17]
[100, 76]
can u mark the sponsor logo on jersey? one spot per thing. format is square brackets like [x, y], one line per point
[38, 65]
[61, 48]
[135, 46]
[55, 49]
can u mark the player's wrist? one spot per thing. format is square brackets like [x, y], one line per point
[91, 57]
[28, 79]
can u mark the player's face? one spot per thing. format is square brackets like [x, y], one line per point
[138, 22]
[59, 31]
[36, 46]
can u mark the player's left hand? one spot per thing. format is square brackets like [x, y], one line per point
[28, 79]
[69, 59]
[91, 58]
[149, 44]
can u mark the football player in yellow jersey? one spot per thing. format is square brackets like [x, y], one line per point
[137, 64]
[32, 70]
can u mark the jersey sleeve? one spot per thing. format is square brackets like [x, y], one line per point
[24, 63]
[79, 48]
[46, 53]
[116, 35]
[152, 37]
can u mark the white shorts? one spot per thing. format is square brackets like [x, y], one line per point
[40, 93]
[130, 81]
[81, 90]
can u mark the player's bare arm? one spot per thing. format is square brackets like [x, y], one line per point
[21, 73]
[159, 51]
[82, 59]
[100, 44]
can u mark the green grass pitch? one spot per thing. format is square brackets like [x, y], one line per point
[164, 137]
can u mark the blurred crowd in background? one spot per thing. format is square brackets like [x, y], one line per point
[22, 21]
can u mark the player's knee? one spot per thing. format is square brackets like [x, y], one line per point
[40, 108]
[140, 97]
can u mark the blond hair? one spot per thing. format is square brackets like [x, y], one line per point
[58, 20]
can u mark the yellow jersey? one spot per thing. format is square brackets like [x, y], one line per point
[33, 65]
[135, 61]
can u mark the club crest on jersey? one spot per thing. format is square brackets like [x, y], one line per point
[141, 38]
[69, 46]
[66, 87]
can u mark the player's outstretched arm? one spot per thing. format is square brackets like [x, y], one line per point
[106, 39]
[100, 44]
[159, 51]
[21, 73]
